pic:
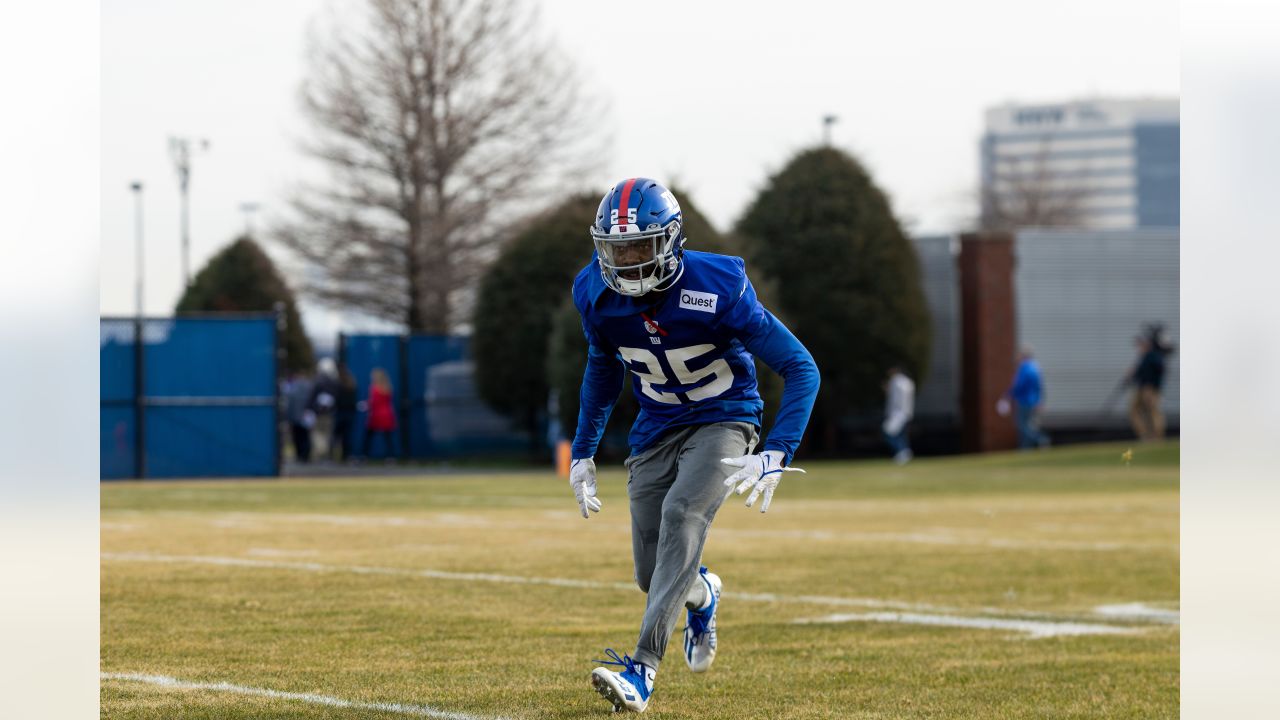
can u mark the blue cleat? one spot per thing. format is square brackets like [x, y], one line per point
[628, 689]
[700, 627]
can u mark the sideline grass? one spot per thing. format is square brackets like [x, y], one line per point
[1051, 535]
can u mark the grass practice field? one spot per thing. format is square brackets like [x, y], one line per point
[1040, 585]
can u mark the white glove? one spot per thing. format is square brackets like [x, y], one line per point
[582, 478]
[760, 472]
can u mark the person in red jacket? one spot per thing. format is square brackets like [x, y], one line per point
[382, 412]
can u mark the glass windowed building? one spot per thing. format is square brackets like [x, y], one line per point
[1091, 163]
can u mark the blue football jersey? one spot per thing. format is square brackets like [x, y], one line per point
[689, 350]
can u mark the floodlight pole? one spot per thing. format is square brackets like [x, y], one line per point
[827, 122]
[139, 339]
[139, 267]
[180, 150]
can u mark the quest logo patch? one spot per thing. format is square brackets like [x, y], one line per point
[694, 300]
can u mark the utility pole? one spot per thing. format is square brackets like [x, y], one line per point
[180, 150]
[249, 208]
[827, 122]
[136, 187]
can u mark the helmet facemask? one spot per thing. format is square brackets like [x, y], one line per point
[635, 263]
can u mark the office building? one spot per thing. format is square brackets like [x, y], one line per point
[1090, 164]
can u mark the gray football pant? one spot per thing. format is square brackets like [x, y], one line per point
[675, 487]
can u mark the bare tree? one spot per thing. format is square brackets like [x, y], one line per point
[1031, 193]
[439, 122]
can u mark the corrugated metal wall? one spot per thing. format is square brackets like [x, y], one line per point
[938, 394]
[1082, 296]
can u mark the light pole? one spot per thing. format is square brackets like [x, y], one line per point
[827, 122]
[136, 187]
[180, 151]
[139, 340]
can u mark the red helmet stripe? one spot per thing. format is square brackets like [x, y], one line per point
[623, 201]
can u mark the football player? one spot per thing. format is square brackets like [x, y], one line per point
[686, 325]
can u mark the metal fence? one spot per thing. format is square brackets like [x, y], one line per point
[192, 396]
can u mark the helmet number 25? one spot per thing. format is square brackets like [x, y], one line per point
[631, 216]
[649, 370]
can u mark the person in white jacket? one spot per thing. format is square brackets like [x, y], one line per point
[899, 407]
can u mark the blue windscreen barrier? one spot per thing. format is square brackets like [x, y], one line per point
[440, 415]
[115, 358]
[207, 403]
[210, 441]
[118, 449]
[425, 352]
[363, 354]
[211, 357]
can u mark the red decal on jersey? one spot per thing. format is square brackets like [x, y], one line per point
[652, 325]
[624, 201]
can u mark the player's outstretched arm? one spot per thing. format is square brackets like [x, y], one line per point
[768, 339]
[601, 383]
[774, 344]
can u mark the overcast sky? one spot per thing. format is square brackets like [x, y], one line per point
[716, 94]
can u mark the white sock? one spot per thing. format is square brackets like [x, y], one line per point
[699, 597]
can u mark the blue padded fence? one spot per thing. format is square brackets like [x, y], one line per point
[202, 390]
[439, 414]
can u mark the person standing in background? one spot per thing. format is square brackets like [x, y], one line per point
[301, 414]
[1147, 377]
[322, 399]
[899, 408]
[382, 412]
[1027, 394]
[345, 402]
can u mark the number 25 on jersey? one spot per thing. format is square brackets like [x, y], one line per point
[646, 366]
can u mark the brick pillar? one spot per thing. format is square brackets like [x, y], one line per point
[989, 339]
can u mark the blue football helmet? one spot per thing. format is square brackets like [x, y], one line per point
[639, 236]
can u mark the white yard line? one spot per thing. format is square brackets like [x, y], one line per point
[1139, 611]
[312, 698]
[457, 520]
[280, 552]
[1032, 628]
[365, 570]
[255, 520]
[587, 584]
[948, 539]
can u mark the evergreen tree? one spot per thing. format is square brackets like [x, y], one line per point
[845, 276]
[566, 361]
[241, 278]
[518, 296]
